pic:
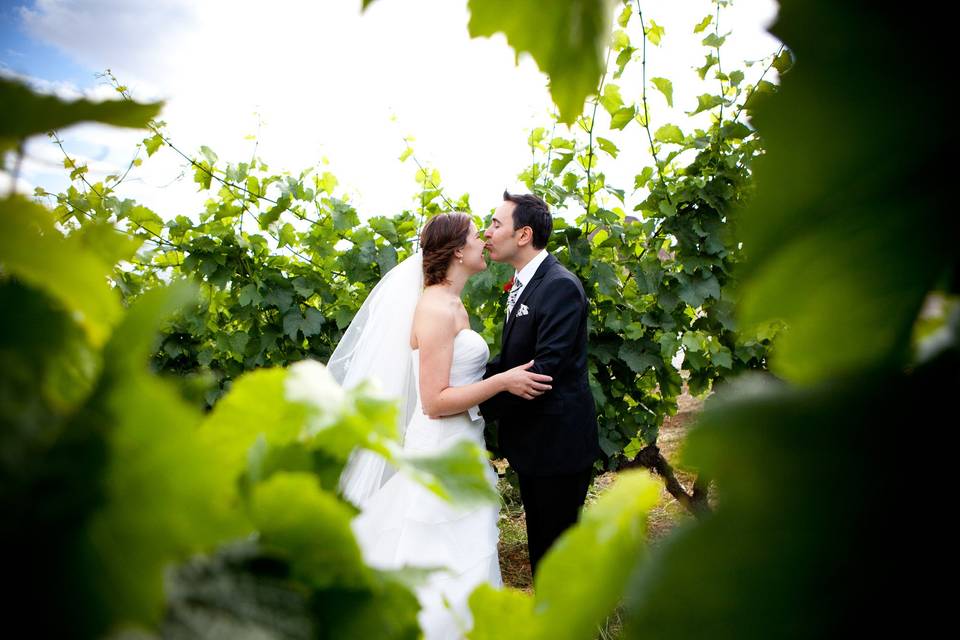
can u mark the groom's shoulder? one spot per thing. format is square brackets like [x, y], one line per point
[559, 275]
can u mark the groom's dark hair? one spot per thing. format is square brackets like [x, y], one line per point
[532, 212]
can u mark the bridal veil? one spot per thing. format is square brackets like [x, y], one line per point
[376, 346]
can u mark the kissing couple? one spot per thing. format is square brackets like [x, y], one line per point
[413, 335]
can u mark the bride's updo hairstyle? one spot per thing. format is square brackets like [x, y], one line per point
[441, 237]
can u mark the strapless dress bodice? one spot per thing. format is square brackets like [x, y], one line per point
[470, 355]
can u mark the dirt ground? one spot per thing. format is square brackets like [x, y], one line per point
[514, 561]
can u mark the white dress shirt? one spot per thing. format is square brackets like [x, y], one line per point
[526, 274]
[523, 277]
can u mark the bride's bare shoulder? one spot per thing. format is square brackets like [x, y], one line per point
[435, 315]
[436, 303]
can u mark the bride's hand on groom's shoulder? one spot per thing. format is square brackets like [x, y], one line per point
[526, 384]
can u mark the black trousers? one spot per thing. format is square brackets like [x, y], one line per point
[551, 504]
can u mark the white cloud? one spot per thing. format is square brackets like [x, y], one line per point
[125, 35]
[326, 81]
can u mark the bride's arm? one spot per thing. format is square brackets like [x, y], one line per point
[435, 329]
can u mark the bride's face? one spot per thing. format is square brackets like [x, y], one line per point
[472, 251]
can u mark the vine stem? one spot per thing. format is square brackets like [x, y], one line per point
[646, 111]
[695, 502]
[553, 132]
[253, 159]
[226, 183]
[723, 90]
[156, 130]
[162, 242]
[423, 194]
[133, 161]
[59, 143]
[593, 123]
[424, 171]
[754, 87]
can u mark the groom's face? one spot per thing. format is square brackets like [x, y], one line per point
[500, 237]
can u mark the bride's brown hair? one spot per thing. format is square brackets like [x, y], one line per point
[441, 237]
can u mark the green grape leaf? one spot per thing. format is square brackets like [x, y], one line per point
[291, 322]
[697, 289]
[327, 182]
[249, 295]
[608, 146]
[145, 219]
[273, 214]
[655, 33]
[714, 41]
[209, 154]
[344, 216]
[288, 236]
[706, 102]
[735, 131]
[611, 98]
[665, 87]
[620, 40]
[623, 117]
[559, 163]
[670, 133]
[279, 298]
[153, 143]
[313, 322]
[791, 461]
[784, 61]
[637, 358]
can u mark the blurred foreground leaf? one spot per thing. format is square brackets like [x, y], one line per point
[602, 551]
[33, 249]
[567, 40]
[850, 227]
[26, 113]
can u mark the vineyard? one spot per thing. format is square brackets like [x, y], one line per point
[170, 442]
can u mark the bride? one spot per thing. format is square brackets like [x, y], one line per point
[419, 347]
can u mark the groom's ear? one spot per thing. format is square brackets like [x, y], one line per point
[526, 236]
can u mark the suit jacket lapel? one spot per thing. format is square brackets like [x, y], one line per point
[524, 295]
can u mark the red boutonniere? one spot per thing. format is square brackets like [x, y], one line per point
[509, 285]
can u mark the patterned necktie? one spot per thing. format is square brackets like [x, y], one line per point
[514, 294]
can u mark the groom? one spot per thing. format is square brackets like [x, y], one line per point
[550, 441]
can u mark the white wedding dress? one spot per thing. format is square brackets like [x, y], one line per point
[405, 524]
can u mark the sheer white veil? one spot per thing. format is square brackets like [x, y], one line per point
[376, 346]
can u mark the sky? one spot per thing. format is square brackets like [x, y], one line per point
[321, 84]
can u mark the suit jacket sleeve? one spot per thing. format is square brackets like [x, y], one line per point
[491, 408]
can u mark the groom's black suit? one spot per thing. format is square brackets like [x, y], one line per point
[550, 441]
